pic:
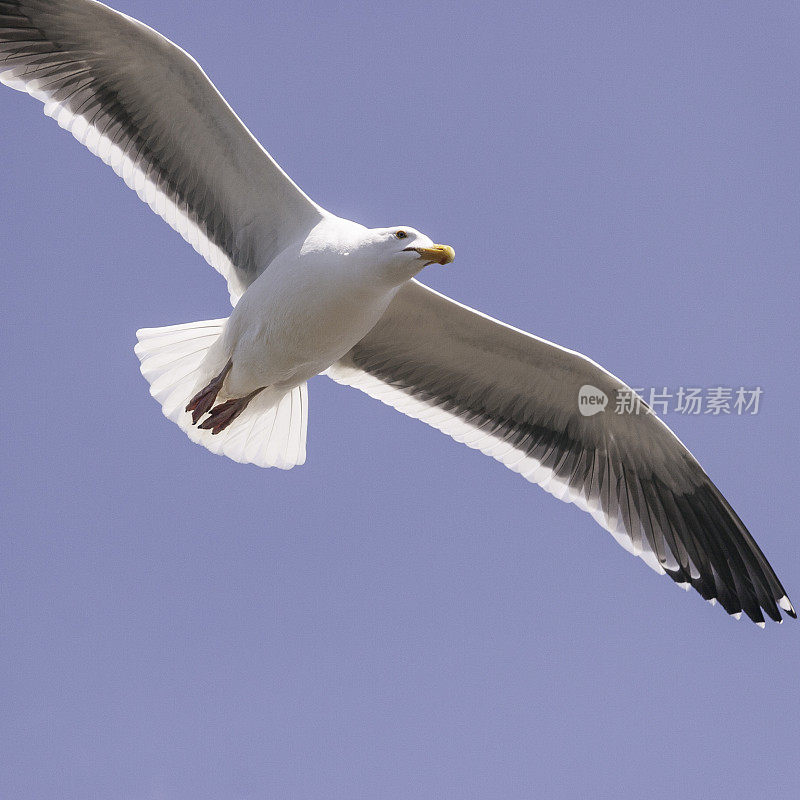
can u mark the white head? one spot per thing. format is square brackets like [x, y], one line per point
[399, 253]
[391, 256]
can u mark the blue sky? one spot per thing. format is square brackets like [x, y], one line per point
[402, 617]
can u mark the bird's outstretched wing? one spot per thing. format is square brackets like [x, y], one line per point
[147, 109]
[515, 397]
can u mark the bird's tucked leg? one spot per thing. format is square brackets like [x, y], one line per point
[222, 415]
[205, 398]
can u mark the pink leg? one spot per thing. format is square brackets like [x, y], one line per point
[205, 398]
[222, 415]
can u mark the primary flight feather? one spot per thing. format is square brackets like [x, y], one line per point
[313, 292]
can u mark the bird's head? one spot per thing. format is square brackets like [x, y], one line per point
[389, 255]
[403, 251]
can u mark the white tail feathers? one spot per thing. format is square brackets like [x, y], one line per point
[270, 432]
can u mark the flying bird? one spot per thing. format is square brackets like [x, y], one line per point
[315, 293]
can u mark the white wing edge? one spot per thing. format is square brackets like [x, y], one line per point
[491, 445]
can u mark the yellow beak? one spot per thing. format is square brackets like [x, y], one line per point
[438, 254]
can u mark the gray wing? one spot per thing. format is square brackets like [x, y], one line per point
[147, 109]
[515, 397]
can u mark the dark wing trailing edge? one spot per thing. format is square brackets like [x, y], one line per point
[146, 108]
[515, 397]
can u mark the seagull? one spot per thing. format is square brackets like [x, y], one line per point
[315, 293]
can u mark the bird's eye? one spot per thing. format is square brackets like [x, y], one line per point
[401, 234]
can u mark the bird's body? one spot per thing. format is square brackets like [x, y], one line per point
[318, 298]
[313, 292]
